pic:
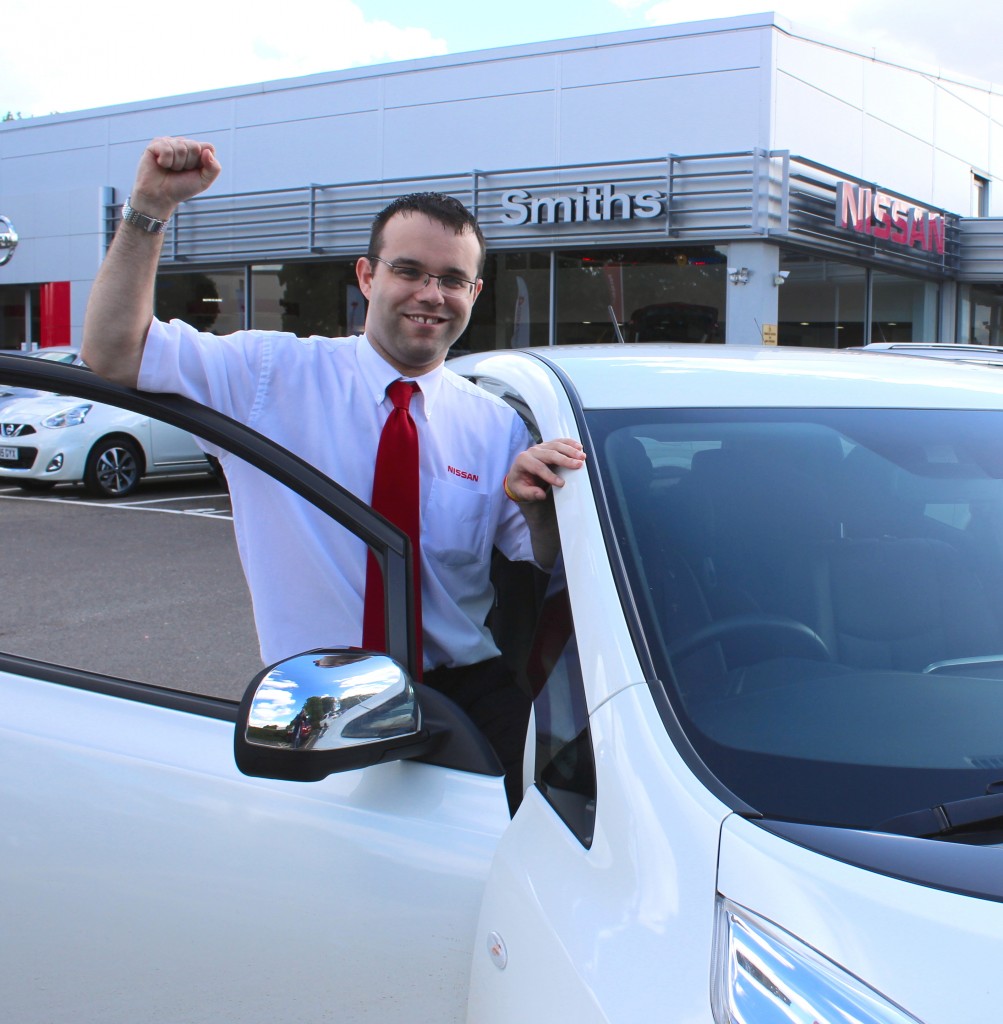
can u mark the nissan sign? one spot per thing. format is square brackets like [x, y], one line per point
[8, 240]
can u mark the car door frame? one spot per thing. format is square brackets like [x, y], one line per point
[439, 818]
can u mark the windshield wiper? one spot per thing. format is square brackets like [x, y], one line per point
[956, 817]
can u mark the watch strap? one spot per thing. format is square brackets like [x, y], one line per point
[143, 221]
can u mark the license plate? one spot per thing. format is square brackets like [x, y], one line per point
[9, 454]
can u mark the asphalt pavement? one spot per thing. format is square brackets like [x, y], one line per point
[146, 588]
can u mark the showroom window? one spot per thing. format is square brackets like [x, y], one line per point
[903, 308]
[656, 294]
[513, 308]
[982, 316]
[209, 300]
[307, 298]
[824, 304]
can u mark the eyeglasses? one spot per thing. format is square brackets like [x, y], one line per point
[449, 284]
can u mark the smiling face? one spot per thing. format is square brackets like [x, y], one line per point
[412, 327]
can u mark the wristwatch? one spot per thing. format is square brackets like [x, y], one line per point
[141, 220]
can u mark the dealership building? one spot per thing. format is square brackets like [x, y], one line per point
[736, 180]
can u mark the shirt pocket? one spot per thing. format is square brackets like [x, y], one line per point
[455, 531]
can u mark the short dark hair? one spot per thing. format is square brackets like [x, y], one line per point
[447, 210]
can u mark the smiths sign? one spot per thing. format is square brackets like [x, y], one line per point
[8, 240]
[869, 212]
[592, 203]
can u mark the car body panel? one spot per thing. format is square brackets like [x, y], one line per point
[935, 953]
[610, 650]
[728, 376]
[169, 863]
[614, 932]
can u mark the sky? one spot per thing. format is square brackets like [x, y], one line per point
[60, 56]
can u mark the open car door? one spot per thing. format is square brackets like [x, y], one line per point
[146, 878]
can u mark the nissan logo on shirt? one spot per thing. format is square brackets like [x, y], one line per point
[8, 240]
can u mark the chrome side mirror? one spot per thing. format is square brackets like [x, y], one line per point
[325, 711]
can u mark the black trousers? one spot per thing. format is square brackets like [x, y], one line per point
[497, 705]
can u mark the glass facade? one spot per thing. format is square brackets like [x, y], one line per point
[655, 294]
[209, 300]
[824, 304]
[513, 309]
[675, 294]
[307, 298]
[903, 308]
[981, 316]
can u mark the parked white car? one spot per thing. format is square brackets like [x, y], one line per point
[52, 439]
[762, 778]
[66, 354]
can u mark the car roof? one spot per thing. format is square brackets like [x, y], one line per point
[940, 350]
[708, 376]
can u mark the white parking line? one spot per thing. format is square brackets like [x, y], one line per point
[137, 506]
[182, 497]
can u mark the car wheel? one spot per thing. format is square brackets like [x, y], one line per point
[112, 468]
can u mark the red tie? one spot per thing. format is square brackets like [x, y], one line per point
[395, 495]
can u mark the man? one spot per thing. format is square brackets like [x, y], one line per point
[481, 481]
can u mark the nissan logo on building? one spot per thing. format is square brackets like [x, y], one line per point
[8, 240]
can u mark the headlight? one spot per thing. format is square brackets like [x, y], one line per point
[763, 975]
[71, 417]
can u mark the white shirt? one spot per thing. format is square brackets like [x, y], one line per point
[325, 400]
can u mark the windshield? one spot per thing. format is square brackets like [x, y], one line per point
[822, 596]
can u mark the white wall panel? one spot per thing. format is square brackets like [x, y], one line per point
[43, 172]
[961, 129]
[686, 55]
[952, 183]
[696, 114]
[996, 166]
[288, 105]
[896, 160]
[816, 125]
[191, 118]
[900, 98]
[471, 81]
[487, 134]
[322, 151]
[826, 69]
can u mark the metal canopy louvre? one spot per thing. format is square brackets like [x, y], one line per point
[704, 198]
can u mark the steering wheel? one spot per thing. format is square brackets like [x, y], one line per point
[766, 630]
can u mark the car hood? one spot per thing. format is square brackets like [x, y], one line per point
[33, 409]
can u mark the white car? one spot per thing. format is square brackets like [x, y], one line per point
[52, 439]
[763, 780]
[65, 354]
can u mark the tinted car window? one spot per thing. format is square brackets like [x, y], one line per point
[821, 594]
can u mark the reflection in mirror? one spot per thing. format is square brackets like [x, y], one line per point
[330, 700]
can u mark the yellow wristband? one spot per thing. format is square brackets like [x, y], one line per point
[508, 493]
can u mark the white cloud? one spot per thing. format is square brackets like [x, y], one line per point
[118, 52]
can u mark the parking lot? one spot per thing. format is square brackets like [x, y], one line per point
[147, 588]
